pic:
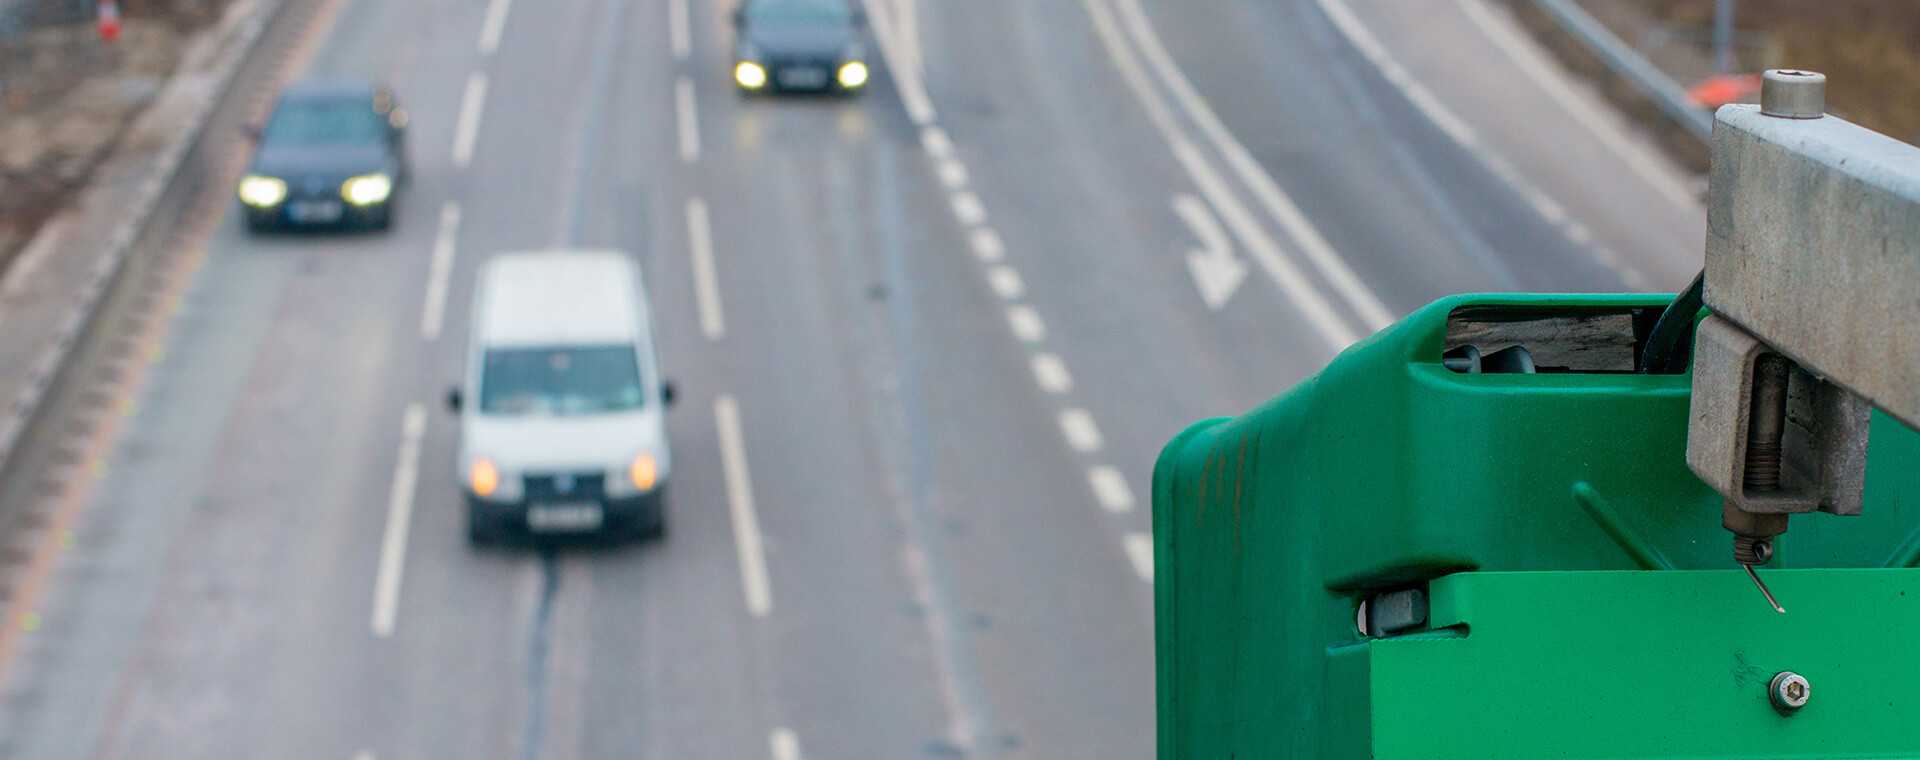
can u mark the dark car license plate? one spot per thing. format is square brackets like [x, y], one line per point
[315, 211]
[803, 76]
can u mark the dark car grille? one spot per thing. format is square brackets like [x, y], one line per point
[314, 188]
[576, 486]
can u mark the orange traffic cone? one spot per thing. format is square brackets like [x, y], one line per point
[109, 20]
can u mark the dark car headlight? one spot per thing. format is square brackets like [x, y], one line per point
[260, 191]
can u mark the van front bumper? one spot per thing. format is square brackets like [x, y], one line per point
[633, 515]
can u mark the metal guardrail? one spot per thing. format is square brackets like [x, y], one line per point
[1626, 62]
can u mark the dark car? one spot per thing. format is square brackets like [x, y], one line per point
[332, 154]
[810, 45]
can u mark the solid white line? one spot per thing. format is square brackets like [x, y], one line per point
[967, 207]
[682, 39]
[468, 127]
[900, 63]
[440, 271]
[706, 285]
[1303, 295]
[1051, 373]
[784, 744]
[1005, 281]
[1026, 323]
[1331, 266]
[1139, 548]
[393, 547]
[746, 523]
[953, 174]
[1110, 488]
[986, 244]
[687, 110]
[936, 142]
[1082, 434]
[363, 755]
[1531, 61]
[495, 24]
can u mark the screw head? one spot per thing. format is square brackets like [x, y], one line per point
[1789, 691]
[1793, 94]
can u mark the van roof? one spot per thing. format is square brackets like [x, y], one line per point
[559, 297]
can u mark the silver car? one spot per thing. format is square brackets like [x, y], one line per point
[562, 424]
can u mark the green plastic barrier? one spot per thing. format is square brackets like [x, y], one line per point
[1584, 603]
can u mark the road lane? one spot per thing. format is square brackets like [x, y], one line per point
[956, 331]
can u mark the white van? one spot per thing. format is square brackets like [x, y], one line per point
[562, 424]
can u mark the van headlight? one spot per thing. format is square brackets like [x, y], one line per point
[483, 478]
[853, 74]
[367, 189]
[261, 191]
[644, 473]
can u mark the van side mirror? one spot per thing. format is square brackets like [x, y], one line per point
[667, 392]
[455, 399]
[253, 131]
[739, 17]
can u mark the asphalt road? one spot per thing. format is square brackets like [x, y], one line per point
[948, 325]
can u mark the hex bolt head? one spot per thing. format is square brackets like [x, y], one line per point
[1789, 691]
[1793, 94]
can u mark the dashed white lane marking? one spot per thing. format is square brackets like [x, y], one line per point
[706, 284]
[1110, 488]
[987, 245]
[1373, 314]
[1082, 434]
[440, 271]
[746, 522]
[1536, 65]
[1051, 374]
[393, 547]
[1579, 233]
[968, 209]
[936, 142]
[1026, 323]
[677, 29]
[1139, 548]
[1302, 294]
[363, 755]
[1005, 281]
[953, 174]
[1548, 208]
[495, 24]
[784, 744]
[468, 127]
[685, 108]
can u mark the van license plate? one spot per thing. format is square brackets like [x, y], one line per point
[563, 518]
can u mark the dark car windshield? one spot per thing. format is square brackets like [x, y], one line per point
[560, 381]
[316, 121]
[798, 12]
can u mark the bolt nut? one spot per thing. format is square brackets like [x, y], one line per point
[1793, 94]
[1789, 691]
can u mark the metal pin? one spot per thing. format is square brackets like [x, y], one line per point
[1763, 590]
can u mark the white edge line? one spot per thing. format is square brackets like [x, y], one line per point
[393, 546]
[746, 522]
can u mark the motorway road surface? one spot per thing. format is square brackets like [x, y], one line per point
[928, 342]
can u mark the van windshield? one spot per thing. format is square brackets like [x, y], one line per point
[560, 381]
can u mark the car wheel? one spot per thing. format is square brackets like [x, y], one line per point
[384, 221]
[258, 226]
[657, 530]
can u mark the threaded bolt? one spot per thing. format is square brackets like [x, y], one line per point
[1752, 550]
[1766, 424]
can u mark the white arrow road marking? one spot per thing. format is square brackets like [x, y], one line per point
[1215, 271]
